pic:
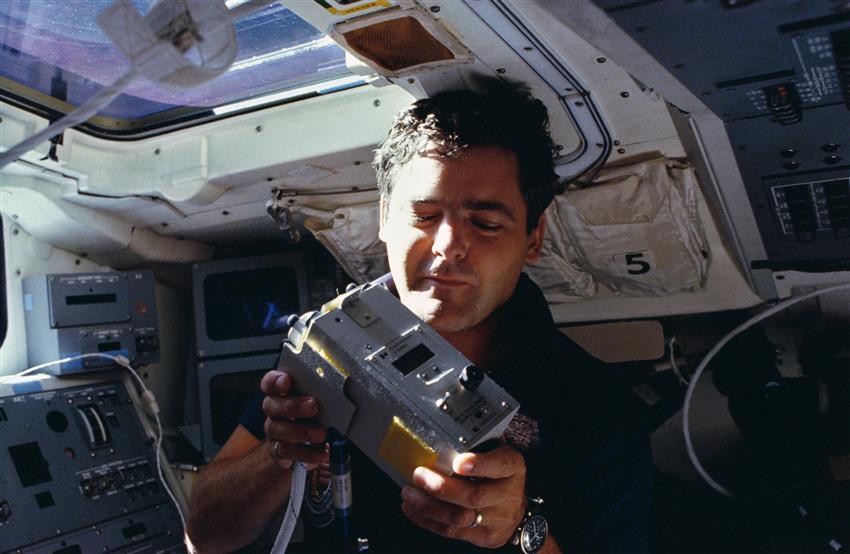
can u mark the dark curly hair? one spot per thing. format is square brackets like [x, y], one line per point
[450, 122]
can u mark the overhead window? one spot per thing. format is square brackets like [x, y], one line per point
[54, 57]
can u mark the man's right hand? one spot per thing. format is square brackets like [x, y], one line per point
[292, 435]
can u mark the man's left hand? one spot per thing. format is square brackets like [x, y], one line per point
[484, 511]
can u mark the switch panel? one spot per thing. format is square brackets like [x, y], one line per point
[77, 470]
[809, 210]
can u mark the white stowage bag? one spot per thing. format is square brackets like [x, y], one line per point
[557, 272]
[351, 236]
[637, 229]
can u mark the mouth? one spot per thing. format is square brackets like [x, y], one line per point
[436, 281]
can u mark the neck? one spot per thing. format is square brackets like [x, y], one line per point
[482, 344]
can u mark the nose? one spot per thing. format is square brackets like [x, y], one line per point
[450, 240]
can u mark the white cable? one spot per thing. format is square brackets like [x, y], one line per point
[673, 363]
[149, 397]
[686, 408]
[151, 400]
[81, 114]
[293, 508]
[63, 361]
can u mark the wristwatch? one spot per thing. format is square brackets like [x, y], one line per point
[532, 531]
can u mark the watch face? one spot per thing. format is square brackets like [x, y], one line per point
[533, 534]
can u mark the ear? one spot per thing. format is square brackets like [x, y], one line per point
[382, 209]
[535, 240]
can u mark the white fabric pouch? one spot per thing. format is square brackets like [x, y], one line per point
[350, 234]
[637, 230]
[557, 271]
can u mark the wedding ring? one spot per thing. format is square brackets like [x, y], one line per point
[275, 448]
[479, 517]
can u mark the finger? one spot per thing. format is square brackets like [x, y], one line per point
[276, 383]
[291, 407]
[479, 536]
[306, 454]
[451, 514]
[437, 510]
[501, 463]
[273, 447]
[324, 473]
[468, 494]
[419, 517]
[300, 432]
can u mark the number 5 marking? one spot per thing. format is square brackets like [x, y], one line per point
[636, 264]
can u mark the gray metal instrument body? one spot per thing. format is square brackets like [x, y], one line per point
[393, 385]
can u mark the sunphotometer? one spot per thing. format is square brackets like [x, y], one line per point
[391, 384]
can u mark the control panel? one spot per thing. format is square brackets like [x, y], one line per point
[806, 209]
[72, 314]
[798, 195]
[778, 74]
[78, 473]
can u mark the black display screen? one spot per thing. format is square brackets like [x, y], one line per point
[108, 346]
[230, 394]
[251, 303]
[91, 299]
[132, 532]
[413, 358]
[30, 464]
[45, 499]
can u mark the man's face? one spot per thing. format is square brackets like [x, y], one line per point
[456, 235]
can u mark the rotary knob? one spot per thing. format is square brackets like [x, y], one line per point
[471, 377]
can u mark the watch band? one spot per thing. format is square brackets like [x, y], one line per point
[532, 510]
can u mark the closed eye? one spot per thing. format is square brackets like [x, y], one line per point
[486, 225]
[421, 219]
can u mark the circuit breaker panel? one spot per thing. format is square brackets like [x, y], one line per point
[78, 473]
[86, 313]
